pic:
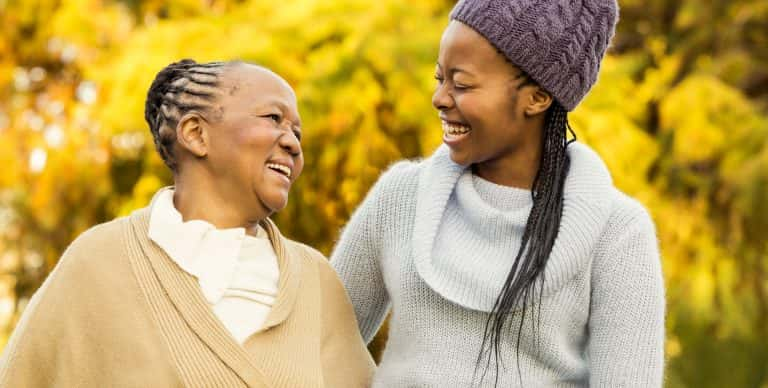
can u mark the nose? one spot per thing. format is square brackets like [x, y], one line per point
[289, 142]
[442, 99]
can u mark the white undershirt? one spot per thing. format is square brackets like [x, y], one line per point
[237, 273]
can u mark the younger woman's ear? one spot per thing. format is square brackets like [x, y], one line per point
[538, 101]
[192, 134]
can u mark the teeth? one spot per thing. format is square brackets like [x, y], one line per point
[455, 129]
[279, 167]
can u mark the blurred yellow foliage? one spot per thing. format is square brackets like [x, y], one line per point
[679, 115]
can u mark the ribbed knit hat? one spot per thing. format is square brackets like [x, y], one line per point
[558, 43]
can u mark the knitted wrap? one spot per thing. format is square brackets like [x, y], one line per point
[558, 43]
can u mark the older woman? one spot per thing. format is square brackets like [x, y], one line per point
[199, 288]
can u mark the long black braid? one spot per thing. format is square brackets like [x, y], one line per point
[179, 88]
[525, 280]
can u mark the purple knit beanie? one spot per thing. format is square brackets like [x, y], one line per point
[558, 43]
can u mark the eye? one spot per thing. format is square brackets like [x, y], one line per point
[439, 79]
[274, 117]
[460, 86]
[298, 135]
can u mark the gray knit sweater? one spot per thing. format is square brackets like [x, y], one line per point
[435, 243]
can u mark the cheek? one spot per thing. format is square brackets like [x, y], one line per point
[256, 141]
[248, 153]
[467, 106]
[246, 137]
[502, 109]
[479, 110]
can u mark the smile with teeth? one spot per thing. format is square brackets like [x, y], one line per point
[455, 129]
[285, 170]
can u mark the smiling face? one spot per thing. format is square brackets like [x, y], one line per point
[255, 154]
[487, 116]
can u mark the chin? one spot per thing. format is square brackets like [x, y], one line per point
[460, 158]
[272, 198]
[275, 204]
[278, 207]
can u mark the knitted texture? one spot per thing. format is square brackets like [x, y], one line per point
[558, 43]
[432, 243]
[118, 312]
[237, 273]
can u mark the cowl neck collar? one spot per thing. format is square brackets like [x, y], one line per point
[586, 209]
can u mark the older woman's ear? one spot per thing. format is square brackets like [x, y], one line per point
[192, 134]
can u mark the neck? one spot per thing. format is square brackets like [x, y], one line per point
[201, 199]
[517, 168]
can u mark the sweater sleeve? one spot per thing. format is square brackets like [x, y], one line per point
[357, 255]
[626, 324]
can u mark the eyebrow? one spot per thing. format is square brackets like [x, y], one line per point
[456, 69]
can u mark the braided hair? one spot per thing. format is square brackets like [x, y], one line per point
[179, 88]
[525, 280]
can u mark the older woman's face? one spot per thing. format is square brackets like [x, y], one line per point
[255, 148]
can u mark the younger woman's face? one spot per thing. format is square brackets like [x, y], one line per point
[483, 110]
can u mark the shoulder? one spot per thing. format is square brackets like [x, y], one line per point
[309, 253]
[83, 273]
[315, 257]
[94, 263]
[100, 236]
[629, 213]
[93, 248]
[630, 231]
[396, 186]
[327, 275]
[401, 176]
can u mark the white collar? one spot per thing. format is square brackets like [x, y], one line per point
[209, 254]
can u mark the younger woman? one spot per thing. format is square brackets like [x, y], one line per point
[508, 257]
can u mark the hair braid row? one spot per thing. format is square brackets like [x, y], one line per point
[179, 88]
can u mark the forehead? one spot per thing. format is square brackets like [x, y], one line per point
[256, 84]
[462, 46]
